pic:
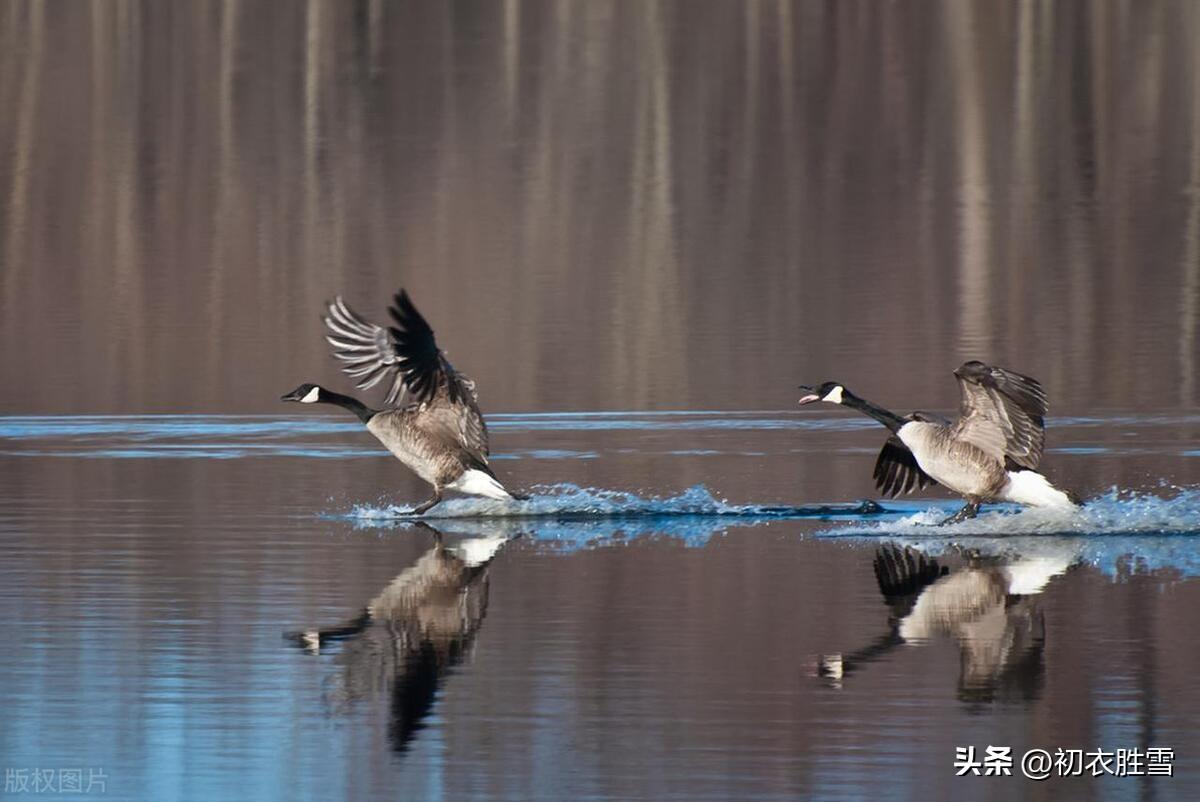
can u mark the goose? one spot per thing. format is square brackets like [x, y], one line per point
[413, 633]
[989, 607]
[989, 454]
[430, 420]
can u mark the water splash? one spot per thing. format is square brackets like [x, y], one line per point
[1120, 533]
[569, 501]
[1116, 512]
[574, 534]
[572, 517]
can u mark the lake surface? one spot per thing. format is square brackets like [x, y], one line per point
[638, 226]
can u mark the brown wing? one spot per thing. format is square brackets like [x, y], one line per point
[406, 352]
[1002, 413]
[1024, 403]
[458, 426]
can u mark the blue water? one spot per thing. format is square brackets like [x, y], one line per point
[568, 513]
[1115, 530]
[231, 436]
[313, 435]
[152, 564]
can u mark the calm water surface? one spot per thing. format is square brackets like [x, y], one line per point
[638, 226]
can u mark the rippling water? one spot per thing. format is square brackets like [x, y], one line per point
[638, 226]
[643, 635]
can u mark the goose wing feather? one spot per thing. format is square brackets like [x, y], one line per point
[1003, 414]
[459, 426]
[366, 351]
[406, 353]
[903, 573]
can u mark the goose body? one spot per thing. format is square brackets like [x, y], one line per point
[988, 606]
[957, 464]
[990, 453]
[415, 436]
[407, 639]
[431, 420]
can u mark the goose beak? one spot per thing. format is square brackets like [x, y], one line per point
[294, 395]
[809, 396]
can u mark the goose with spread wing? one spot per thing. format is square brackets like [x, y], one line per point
[430, 420]
[991, 453]
[408, 639]
[989, 605]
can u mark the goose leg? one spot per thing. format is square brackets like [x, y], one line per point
[437, 536]
[969, 511]
[430, 503]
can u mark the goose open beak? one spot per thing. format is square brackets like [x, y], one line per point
[810, 395]
[294, 395]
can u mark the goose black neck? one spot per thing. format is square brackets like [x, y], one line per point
[886, 417]
[360, 409]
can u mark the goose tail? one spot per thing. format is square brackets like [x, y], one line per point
[476, 482]
[1033, 489]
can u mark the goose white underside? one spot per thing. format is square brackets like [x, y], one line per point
[477, 483]
[1033, 489]
[477, 551]
[1030, 575]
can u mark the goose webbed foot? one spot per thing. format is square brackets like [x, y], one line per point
[434, 500]
[970, 510]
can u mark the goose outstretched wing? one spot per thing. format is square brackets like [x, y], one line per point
[1002, 413]
[903, 574]
[896, 469]
[406, 353]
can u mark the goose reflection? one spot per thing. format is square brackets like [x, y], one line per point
[412, 633]
[990, 607]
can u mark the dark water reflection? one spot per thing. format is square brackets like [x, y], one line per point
[989, 608]
[602, 205]
[409, 637]
[638, 226]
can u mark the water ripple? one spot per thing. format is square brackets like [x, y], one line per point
[333, 437]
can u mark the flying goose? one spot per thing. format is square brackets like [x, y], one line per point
[430, 420]
[989, 606]
[990, 453]
[412, 634]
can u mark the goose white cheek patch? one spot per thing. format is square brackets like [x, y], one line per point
[835, 395]
[312, 397]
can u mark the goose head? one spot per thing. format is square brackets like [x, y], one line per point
[830, 392]
[307, 393]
